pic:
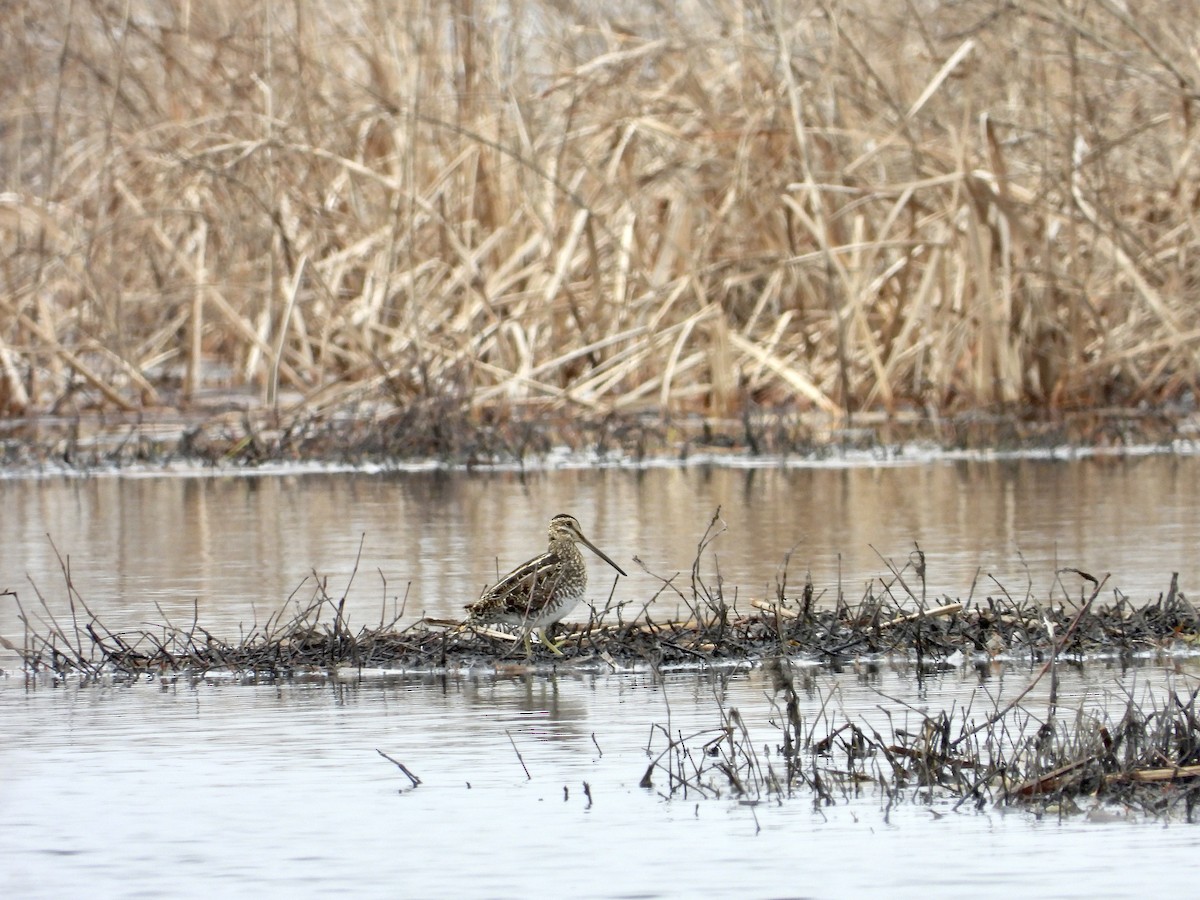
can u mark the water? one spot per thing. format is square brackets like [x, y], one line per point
[234, 548]
[141, 790]
[215, 786]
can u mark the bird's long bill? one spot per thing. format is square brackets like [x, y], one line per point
[600, 553]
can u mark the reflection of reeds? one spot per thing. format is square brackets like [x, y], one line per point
[386, 210]
[1146, 759]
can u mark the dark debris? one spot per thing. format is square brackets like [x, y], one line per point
[317, 637]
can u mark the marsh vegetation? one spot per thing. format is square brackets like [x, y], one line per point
[1144, 759]
[440, 216]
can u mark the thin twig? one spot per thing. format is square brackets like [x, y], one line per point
[520, 759]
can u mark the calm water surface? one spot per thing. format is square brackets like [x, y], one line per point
[192, 789]
[234, 547]
[142, 790]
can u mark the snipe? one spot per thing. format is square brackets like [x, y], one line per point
[541, 592]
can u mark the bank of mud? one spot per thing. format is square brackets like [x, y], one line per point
[446, 433]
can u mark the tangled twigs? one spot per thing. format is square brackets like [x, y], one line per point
[1147, 760]
[318, 636]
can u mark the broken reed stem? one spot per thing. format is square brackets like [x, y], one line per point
[948, 609]
[416, 782]
[520, 758]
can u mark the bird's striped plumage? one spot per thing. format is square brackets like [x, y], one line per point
[541, 592]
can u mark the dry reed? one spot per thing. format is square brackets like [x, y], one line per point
[514, 210]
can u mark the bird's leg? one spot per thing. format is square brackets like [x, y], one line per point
[545, 636]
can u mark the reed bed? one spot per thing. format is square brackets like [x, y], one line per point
[273, 217]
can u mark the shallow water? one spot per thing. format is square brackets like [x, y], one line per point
[193, 788]
[233, 548]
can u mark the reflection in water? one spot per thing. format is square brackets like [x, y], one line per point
[237, 547]
[278, 789]
[539, 699]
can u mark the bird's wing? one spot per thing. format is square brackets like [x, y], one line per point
[537, 574]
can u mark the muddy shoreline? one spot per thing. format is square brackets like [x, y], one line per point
[317, 637]
[245, 437]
